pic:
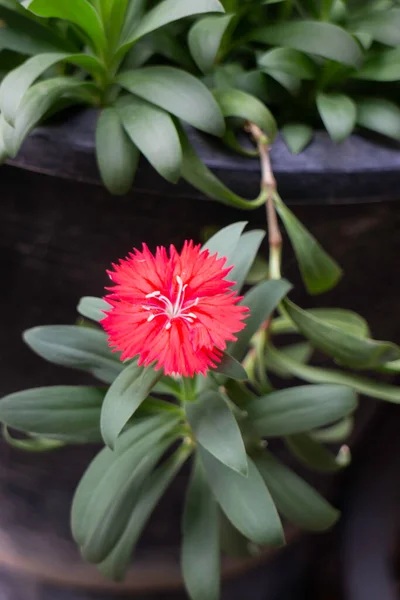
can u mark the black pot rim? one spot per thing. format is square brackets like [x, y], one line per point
[357, 170]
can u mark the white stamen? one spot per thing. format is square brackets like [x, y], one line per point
[172, 310]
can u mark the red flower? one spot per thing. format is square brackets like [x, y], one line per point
[176, 310]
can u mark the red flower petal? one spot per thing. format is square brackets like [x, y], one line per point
[175, 310]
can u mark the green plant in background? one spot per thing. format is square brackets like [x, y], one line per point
[150, 65]
[334, 63]
[152, 423]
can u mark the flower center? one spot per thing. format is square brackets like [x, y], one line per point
[176, 309]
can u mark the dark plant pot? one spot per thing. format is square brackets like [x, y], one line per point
[58, 236]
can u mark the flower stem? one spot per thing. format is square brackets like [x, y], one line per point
[188, 392]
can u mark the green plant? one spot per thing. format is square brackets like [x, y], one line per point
[85, 49]
[333, 63]
[152, 423]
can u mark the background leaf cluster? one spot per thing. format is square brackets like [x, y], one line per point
[152, 65]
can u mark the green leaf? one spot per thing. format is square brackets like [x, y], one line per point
[93, 308]
[123, 398]
[75, 347]
[338, 113]
[291, 83]
[113, 498]
[258, 272]
[320, 273]
[225, 241]
[117, 157]
[200, 557]
[312, 454]
[99, 466]
[200, 177]
[383, 66]
[383, 26]
[215, 429]
[295, 499]
[177, 92]
[244, 256]
[339, 432]
[236, 103]
[169, 11]
[261, 301]
[18, 81]
[300, 352]
[117, 562]
[299, 409]
[205, 38]
[347, 320]
[31, 444]
[346, 348]
[297, 136]
[66, 413]
[152, 130]
[291, 62]
[231, 368]
[79, 12]
[233, 543]
[27, 34]
[246, 501]
[380, 115]
[314, 37]
[362, 385]
[39, 99]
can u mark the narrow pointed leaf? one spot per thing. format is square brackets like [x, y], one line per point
[205, 38]
[169, 11]
[102, 463]
[117, 157]
[383, 66]
[347, 320]
[383, 26]
[152, 130]
[67, 413]
[300, 352]
[339, 432]
[244, 256]
[177, 92]
[117, 562]
[345, 348]
[236, 103]
[231, 368]
[200, 556]
[93, 308]
[319, 271]
[110, 508]
[246, 501]
[295, 498]
[124, 396]
[215, 429]
[312, 454]
[362, 385]
[18, 81]
[287, 60]
[313, 37]
[75, 347]
[300, 409]
[31, 444]
[379, 115]
[40, 98]
[79, 12]
[261, 300]
[225, 241]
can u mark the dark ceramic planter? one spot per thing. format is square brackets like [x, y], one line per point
[59, 234]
